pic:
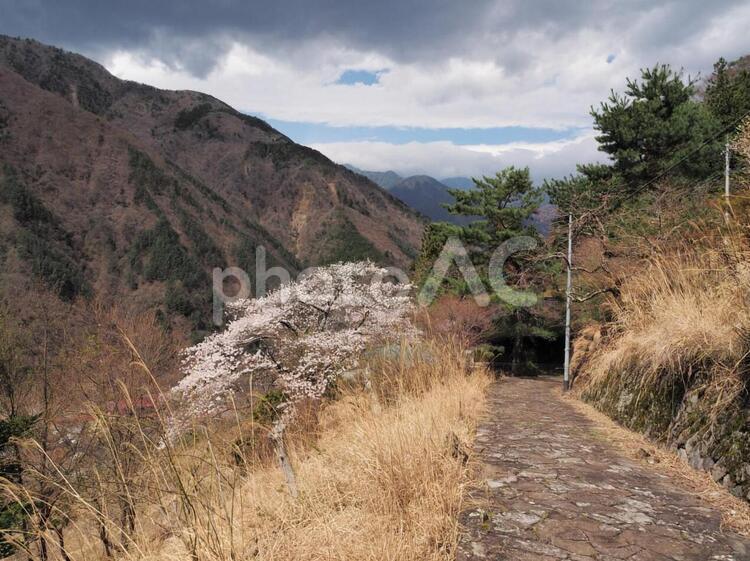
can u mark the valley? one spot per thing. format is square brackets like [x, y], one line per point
[520, 331]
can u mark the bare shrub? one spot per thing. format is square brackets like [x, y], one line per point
[462, 318]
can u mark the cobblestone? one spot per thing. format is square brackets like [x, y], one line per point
[552, 489]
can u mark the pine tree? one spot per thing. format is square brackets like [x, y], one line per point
[502, 204]
[657, 125]
[728, 93]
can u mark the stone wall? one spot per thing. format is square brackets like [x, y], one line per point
[690, 414]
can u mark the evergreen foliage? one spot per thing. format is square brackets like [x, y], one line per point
[434, 238]
[656, 125]
[149, 180]
[165, 258]
[504, 204]
[728, 93]
[583, 191]
[206, 250]
[343, 243]
[42, 241]
[187, 118]
[158, 255]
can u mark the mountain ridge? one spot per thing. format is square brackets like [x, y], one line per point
[178, 176]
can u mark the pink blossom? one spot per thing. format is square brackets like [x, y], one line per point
[304, 334]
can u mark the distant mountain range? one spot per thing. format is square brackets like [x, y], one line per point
[386, 179]
[458, 182]
[389, 179]
[423, 193]
[427, 196]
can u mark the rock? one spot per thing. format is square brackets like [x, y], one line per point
[695, 459]
[691, 443]
[504, 482]
[478, 550]
[718, 472]
[481, 514]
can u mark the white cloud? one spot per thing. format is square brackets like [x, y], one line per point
[540, 79]
[445, 159]
[521, 68]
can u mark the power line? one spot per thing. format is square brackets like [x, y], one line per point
[703, 181]
[702, 145]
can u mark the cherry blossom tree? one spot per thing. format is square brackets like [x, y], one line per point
[304, 334]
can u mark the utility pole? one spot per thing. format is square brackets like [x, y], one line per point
[726, 178]
[566, 367]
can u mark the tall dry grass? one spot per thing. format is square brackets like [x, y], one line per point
[381, 472]
[685, 313]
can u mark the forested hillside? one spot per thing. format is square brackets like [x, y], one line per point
[116, 189]
[660, 267]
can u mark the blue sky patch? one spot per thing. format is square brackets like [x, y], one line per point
[313, 133]
[365, 77]
[610, 58]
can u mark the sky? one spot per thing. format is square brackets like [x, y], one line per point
[442, 87]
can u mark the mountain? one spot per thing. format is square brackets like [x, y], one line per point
[426, 195]
[386, 179]
[544, 216]
[389, 179]
[458, 182]
[423, 193]
[118, 189]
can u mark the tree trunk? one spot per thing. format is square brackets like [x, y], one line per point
[516, 353]
[286, 465]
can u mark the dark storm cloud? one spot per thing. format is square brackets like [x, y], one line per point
[194, 34]
[400, 28]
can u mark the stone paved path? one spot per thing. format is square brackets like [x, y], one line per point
[554, 489]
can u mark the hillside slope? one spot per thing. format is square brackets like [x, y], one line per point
[427, 196]
[132, 187]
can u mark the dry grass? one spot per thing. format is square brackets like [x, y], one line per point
[673, 364]
[384, 479]
[687, 310]
[735, 513]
